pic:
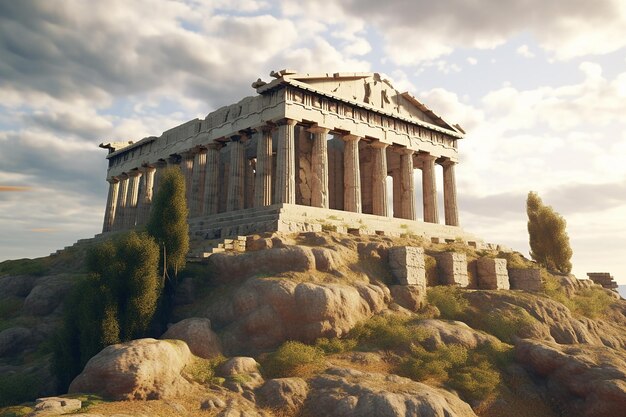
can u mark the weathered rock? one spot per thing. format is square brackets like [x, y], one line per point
[212, 402]
[56, 405]
[17, 285]
[452, 268]
[412, 297]
[264, 312]
[492, 273]
[197, 333]
[271, 261]
[142, 369]
[584, 380]
[47, 294]
[284, 394]
[345, 392]
[238, 365]
[453, 332]
[407, 265]
[326, 260]
[13, 339]
[525, 279]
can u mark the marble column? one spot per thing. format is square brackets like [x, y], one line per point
[449, 193]
[319, 167]
[130, 215]
[211, 182]
[263, 179]
[380, 200]
[146, 194]
[286, 163]
[351, 174]
[197, 183]
[407, 185]
[237, 174]
[186, 167]
[248, 194]
[118, 223]
[429, 188]
[109, 214]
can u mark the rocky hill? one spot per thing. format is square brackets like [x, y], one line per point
[317, 324]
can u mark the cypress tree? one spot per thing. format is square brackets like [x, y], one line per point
[549, 242]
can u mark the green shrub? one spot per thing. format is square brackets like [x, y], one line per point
[335, 345]
[202, 370]
[16, 411]
[387, 332]
[24, 266]
[475, 382]
[17, 388]
[588, 302]
[504, 324]
[430, 266]
[449, 300]
[290, 356]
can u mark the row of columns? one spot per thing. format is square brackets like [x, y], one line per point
[130, 194]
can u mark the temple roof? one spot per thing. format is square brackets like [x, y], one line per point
[370, 90]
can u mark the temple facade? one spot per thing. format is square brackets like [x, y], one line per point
[307, 152]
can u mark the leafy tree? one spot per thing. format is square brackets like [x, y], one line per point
[115, 303]
[168, 221]
[549, 242]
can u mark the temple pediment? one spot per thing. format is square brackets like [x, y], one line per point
[371, 89]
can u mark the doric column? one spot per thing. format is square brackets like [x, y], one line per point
[380, 203]
[351, 174]
[248, 193]
[236, 175]
[263, 179]
[159, 166]
[319, 167]
[449, 193]
[429, 188]
[286, 163]
[186, 167]
[120, 212]
[211, 182]
[407, 185]
[197, 182]
[130, 216]
[109, 213]
[146, 194]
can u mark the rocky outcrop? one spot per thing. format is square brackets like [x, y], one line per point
[197, 333]
[453, 332]
[48, 294]
[13, 339]
[143, 369]
[264, 312]
[56, 405]
[286, 395]
[346, 392]
[584, 380]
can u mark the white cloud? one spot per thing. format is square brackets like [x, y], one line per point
[472, 60]
[524, 51]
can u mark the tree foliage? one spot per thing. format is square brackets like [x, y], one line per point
[549, 242]
[168, 220]
[115, 303]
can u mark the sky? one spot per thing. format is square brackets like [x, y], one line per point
[538, 85]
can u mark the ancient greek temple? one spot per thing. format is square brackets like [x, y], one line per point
[307, 152]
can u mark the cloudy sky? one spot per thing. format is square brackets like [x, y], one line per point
[539, 85]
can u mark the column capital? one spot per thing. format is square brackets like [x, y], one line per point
[405, 151]
[447, 162]
[134, 172]
[350, 138]
[379, 145]
[122, 176]
[290, 122]
[426, 157]
[318, 129]
[215, 145]
[113, 180]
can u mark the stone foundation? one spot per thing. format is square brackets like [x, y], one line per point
[492, 274]
[525, 279]
[407, 265]
[452, 268]
[604, 279]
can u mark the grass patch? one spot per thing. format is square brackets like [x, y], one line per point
[449, 300]
[202, 370]
[588, 302]
[17, 388]
[36, 267]
[387, 332]
[16, 411]
[504, 324]
[290, 357]
[335, 345]
[430, 266]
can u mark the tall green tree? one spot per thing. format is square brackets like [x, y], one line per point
[115, 303]
[168, 221]
[549, 242]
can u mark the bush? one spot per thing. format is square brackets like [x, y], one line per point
[387, 332]
[449, 300]
[24, 266]
[430, 266]
[202, 370]
[588, 302]
[17, 388]
[475, 382]
[504, 324]
[290, 357]
[335, 345]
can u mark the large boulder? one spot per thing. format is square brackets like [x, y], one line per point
[197, 333]
[587, 381]
[284, 394]
[16, 285]
[342, 392]
[48, 294]
[13, 340]
[264, 312]
[143, 369]
[443, 332]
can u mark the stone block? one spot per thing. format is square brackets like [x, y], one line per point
[407, 265]
[452, 268]
[525, 279]
[412, 297]
[492, 274]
